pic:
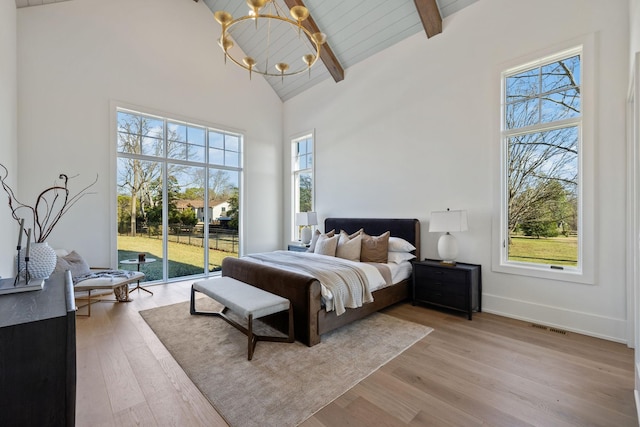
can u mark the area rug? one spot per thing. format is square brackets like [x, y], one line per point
[285, 383]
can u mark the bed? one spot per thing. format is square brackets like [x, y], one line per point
[311, 320]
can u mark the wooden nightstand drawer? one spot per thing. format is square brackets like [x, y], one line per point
[447, 287]
[445, 274]
[444, 298]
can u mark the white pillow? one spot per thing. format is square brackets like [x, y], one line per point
[349, 248]
[326, 245]
[398, 244]
[399, 257]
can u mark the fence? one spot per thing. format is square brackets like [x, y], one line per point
[220, 239]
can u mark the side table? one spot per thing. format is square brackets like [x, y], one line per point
[297, 247]
[138, 262]
[458, 287]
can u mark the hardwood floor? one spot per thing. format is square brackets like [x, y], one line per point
[489, 371]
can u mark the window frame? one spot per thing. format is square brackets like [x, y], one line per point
[295, 173]
[166, 161]
[585, 271]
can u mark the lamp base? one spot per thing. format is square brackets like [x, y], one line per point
[305, 235]
[448, 249]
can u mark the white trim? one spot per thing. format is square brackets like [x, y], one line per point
[632, 221]
[292, 181]
[114, 107]
[586, 272]
[604, 327]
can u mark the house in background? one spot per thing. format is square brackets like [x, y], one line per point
[217, 210]
[416, 126]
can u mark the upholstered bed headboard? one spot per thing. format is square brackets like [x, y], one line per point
[408, 229]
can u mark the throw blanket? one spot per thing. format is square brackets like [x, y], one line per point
[347, 283]
[103, 273]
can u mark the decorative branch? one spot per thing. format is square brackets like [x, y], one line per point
[51, 204]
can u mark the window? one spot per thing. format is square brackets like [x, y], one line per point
[178, 187]
[302, 178]
[542, 177]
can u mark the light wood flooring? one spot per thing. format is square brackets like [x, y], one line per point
[489, 371]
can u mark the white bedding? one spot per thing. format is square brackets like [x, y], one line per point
[399, 272]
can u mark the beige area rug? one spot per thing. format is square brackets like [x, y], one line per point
[285, 383]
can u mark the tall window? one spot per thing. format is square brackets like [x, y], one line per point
[178, 190]
[302, 177]
[542, 121]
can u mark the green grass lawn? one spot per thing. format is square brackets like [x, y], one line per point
[184, 259]
[551, 250]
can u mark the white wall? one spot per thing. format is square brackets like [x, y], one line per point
[414, 129]
[633, 197]
[76, 57]
[8, 131]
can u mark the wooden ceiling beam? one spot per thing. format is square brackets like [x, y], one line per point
[326, 54]
[430, 16]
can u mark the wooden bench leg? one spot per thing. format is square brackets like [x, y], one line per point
[251, 342]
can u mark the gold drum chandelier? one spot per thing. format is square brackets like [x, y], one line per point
[262, 17]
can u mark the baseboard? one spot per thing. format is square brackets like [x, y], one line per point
[590, 324]
[637, 398]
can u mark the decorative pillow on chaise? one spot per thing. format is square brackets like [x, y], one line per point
[72, 262]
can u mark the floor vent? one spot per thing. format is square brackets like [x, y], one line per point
[544, 328]
[534, 325]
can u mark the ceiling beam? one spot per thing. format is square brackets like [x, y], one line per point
[326, 54]
[430, 16]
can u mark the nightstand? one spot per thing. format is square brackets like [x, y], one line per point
[458, 287]
[295, 247]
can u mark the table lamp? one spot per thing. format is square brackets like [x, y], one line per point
[448, 221]
[305, 219]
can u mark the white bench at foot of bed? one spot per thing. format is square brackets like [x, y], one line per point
[245, 300]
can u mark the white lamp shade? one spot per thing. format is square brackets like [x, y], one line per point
[306, 218]
[448, 221]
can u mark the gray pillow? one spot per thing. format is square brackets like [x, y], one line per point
[74, 263]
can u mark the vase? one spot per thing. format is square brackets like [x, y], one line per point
[42, 260]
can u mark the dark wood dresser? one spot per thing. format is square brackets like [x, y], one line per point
[458, 287]
[38, 355]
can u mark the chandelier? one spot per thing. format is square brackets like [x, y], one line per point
[266, 15]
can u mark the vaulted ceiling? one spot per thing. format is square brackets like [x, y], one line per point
[355, 29]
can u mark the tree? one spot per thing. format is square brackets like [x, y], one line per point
[305, 193]
[142, 135]
[234, 209]
[219, 184]
[543, 164]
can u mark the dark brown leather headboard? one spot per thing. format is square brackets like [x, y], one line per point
[408, 229]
